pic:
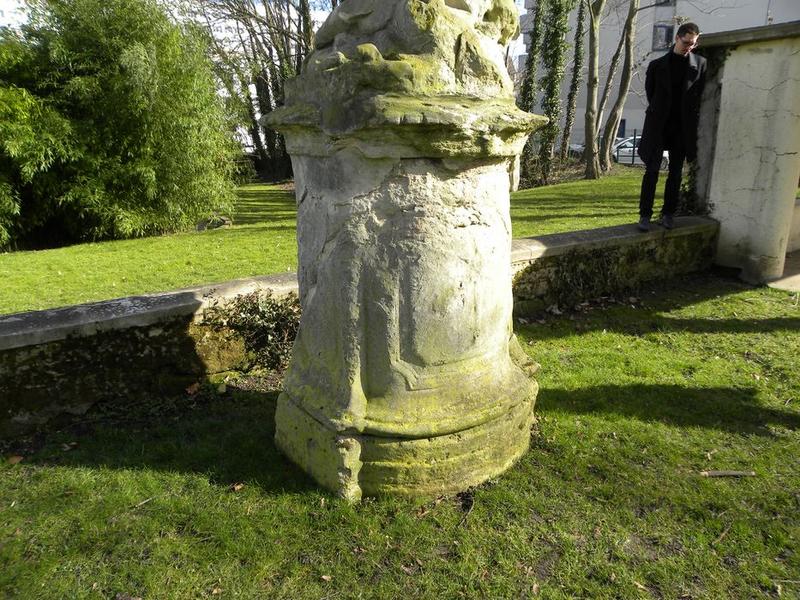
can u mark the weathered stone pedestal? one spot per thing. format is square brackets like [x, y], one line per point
[404, 136]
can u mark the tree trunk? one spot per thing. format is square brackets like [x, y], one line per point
[577, 66]
[612, 71]
[609, 134]
[590, 121]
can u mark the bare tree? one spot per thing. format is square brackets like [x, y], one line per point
[612, 124]
[595, 9]
[612, 72]
[256, 46]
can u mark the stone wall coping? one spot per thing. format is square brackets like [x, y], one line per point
[527, 250]
[83, 320]
[762, 33]
[42, 326]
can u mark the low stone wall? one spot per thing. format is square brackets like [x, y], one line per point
[66, 360]
[566, 268]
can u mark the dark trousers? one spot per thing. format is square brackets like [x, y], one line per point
[672, 189]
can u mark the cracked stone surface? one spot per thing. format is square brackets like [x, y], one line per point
[406, 378]
[756, 159]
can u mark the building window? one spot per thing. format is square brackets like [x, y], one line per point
[662, 35]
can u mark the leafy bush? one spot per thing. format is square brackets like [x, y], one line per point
[267, 324]
[110, 125]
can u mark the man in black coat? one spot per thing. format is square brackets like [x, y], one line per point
[674, 84]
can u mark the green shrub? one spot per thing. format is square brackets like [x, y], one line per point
[110, 125]
[267, 324]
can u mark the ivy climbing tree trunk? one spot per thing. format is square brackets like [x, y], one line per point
[554, 47]
[527, 96]
[612, 124]
[595, 8]
[575, 81]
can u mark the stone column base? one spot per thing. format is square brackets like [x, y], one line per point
[354, 464]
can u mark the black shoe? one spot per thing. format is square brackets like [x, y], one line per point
[644, 224]
[667, 221]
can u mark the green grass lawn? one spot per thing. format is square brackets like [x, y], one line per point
[636, 400]
[262, 241]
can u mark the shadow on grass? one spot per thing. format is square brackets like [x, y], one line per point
[228, 439]
[654, 323]
[561, 200]
[734, 410]
[658, 299]
[259, 205]
[556, 216]
[250, 229]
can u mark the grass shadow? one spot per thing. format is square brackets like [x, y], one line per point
[733, 410]
[655, 302]
[227, 438]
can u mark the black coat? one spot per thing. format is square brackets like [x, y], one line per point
[659, 98]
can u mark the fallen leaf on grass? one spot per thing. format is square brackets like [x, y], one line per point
[69, 446]
[640, 586]
[326, 578]
[121, 596]
[235, 487]
[216, 591]
[15, 460]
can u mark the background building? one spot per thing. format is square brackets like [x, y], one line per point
[657, 22]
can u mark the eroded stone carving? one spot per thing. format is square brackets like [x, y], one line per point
[404, 136]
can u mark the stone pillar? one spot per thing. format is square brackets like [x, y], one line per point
[404, 138]
[750, 159]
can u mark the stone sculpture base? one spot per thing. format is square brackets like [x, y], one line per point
[360, 464]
